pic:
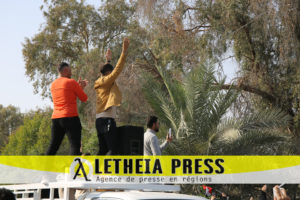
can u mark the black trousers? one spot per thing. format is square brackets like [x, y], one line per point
[107, 136]
[61, 126]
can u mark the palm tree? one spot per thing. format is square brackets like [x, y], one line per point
[196, 109]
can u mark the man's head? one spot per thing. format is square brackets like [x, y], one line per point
[6, 194]
[106, 69]
[65, 70]
[153, 123]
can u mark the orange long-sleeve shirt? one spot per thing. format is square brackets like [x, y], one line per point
[64, 94]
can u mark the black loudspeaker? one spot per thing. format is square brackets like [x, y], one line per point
[130, 140]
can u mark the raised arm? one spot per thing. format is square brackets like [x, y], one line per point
[108, 56]
[166, 142]
[109, 79]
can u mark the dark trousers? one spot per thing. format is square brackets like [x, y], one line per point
[107, 136]
[61, 126]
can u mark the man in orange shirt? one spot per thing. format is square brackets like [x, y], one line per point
[65, 92]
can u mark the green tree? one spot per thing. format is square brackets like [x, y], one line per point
[33, 137]
[195, 108]
[79, 33]
[262, 36]
[10, 119]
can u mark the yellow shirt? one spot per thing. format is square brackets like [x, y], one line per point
[107, 90]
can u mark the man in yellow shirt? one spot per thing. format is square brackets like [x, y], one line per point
[108, 98]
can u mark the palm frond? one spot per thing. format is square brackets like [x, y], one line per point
[195, 109]
[253, 143]
[175, 91]
[154, 93]
[266, 119]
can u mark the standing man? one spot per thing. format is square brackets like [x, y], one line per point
[108, 98]
[151, 145]
[65, 92]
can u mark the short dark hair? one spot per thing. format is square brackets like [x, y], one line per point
[62, 66]
[151, 120]
[106, 68]
[6, 194]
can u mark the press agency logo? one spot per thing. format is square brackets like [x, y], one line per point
[81, 169]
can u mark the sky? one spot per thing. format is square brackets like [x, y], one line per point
[18, 20]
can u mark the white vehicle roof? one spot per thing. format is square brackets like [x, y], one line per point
[138, 195]
[121, 191]
[93, 185]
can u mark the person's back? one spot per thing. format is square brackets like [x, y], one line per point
[65, 118]
[107, 91]
[108, 98]
[64, 93]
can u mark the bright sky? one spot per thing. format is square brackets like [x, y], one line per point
[20, 19]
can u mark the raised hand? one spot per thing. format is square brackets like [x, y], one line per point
[125, 44]
[280, 193]
[168, 138]
[108, 55]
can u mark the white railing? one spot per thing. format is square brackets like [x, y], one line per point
[24, 190]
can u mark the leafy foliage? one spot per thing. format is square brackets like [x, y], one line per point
[10, 119]
[181, 37]
[33, 137]
[78, 33]
[195, 109]
[261, 36]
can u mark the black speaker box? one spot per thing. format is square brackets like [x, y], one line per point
[130, 140]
